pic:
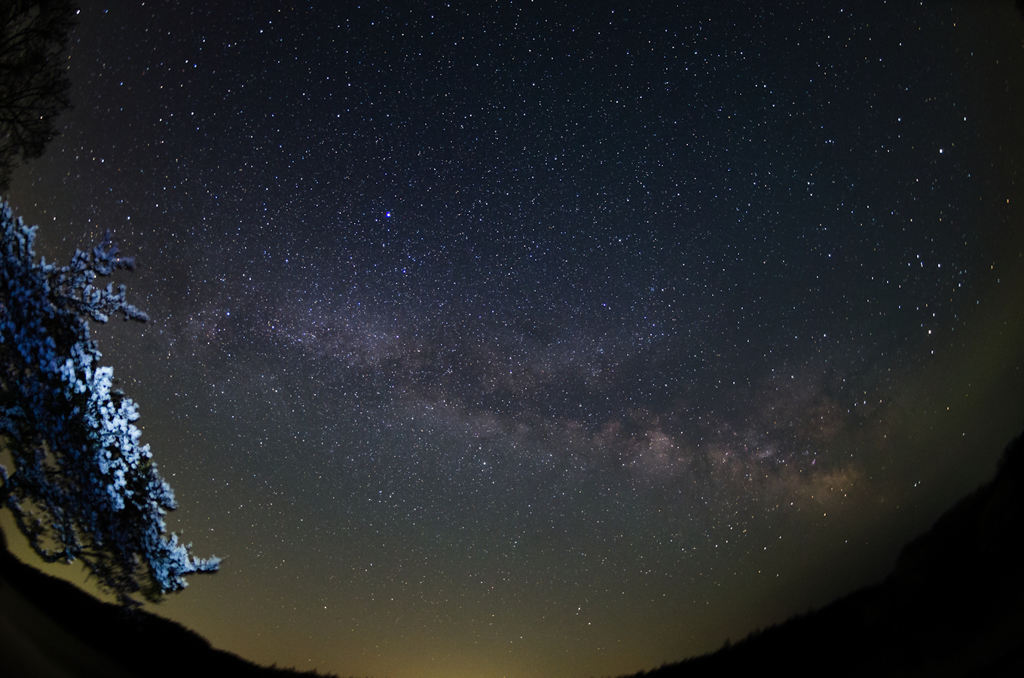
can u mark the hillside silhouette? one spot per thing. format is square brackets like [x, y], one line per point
[50, 628]
[952, 606]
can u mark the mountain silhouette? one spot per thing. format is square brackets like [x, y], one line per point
[50, 628]
[952, 606]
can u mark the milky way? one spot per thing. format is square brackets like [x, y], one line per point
[568, 341]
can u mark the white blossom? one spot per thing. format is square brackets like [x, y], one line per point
[82, 487]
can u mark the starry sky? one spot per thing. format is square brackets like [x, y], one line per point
[548, 339]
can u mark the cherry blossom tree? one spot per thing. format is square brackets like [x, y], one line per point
[82, 487]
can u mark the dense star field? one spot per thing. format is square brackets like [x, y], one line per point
[524, 339]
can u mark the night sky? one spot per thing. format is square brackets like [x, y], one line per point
[517, 339]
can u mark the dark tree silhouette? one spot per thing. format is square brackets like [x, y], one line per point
[81, 487]
[34, 82]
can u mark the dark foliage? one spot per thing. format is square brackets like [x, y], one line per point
[34, 82]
